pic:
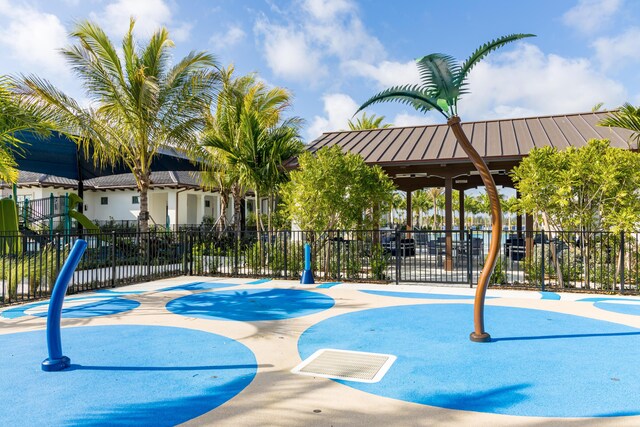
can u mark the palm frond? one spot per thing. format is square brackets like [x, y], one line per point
[437, 73]
[409, 94]
[627, 117]
[484, 50]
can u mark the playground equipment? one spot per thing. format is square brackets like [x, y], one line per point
[56, 361]
[21, 216]
[307, 274]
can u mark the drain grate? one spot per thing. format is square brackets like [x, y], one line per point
[346, 365]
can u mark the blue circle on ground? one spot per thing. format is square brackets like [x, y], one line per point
[121, 376]
[107, 305]
[535, 365]
[198, 286]
[632, 309]
[419, 295]
[251, 304]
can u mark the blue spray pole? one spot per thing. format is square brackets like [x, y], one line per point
[56, 361]
[307, 274]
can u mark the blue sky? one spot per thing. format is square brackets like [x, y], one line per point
[334, 54]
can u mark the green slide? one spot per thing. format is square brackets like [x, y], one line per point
[74, 200]
[9, 224]
[86, 222]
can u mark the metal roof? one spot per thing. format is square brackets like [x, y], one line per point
[506, 139]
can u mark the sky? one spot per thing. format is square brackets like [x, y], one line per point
[335, 54]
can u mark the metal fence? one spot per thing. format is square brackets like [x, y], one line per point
[601, 261]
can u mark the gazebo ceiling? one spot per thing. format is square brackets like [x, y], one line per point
[423, 156]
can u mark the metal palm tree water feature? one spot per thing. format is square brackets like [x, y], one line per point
[443, 81]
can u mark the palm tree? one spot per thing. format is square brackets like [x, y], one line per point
[13, 120]
[443, 81]
[435, 193]
[249, 131]
[627, 117]
[421, 203]
[398, 204]
[139, 103]
[365, 122]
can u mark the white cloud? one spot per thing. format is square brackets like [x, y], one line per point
[289, 54]
[618, 50]
[149, 14]
[590, 15]
[322, 31]
[339, 109]
[526, 82]
[33, 38]
[227, 39]
[406, 119]
[386, 73]
[328, 9]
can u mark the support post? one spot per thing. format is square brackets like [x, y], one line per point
[448, 223]
[409, 212]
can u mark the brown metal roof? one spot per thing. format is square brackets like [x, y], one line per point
[508, 139]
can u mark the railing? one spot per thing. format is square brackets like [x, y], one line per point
[540, 260]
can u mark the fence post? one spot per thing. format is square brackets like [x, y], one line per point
[191, 255]
[236, 248]
[542, 239]
[622, 255]
[469, 258]
[397, 256]
[113, 259]
[284, 236]
[51, 209]
[148, 239]
[183, 246]
[339, 243]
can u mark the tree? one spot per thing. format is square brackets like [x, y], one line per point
[139, 103]
[398, 204]
[420, 202]
[435, 193]
[443, 81]
[14, 119]
[627, 117]
[365, 122]
[580, 189]
[249, 131]
[332, 190]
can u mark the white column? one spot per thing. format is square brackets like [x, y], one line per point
[172, 207]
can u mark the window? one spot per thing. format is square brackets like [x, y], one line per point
[207, 203]
[135, 200]
[104, 200]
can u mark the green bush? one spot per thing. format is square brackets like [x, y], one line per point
[380, 260]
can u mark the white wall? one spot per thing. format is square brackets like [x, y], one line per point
[119, 205]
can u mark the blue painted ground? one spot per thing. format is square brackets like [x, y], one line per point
[258, 282]
[107, 305]
[626, 306]
[328, 285]
[109, 291]
[540, 363]
[198, 286]
[251, 304]
[121, 376]
[549, 295]
[421, 295]
[632, 309]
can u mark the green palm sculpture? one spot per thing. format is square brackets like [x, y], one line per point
[443, 82]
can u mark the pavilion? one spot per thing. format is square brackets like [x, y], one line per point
[418, 157]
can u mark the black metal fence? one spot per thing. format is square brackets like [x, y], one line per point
[542, 260]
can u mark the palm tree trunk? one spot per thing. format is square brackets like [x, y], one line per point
[224, 202]
[479, 334]
[237, 196]
[144, 201]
